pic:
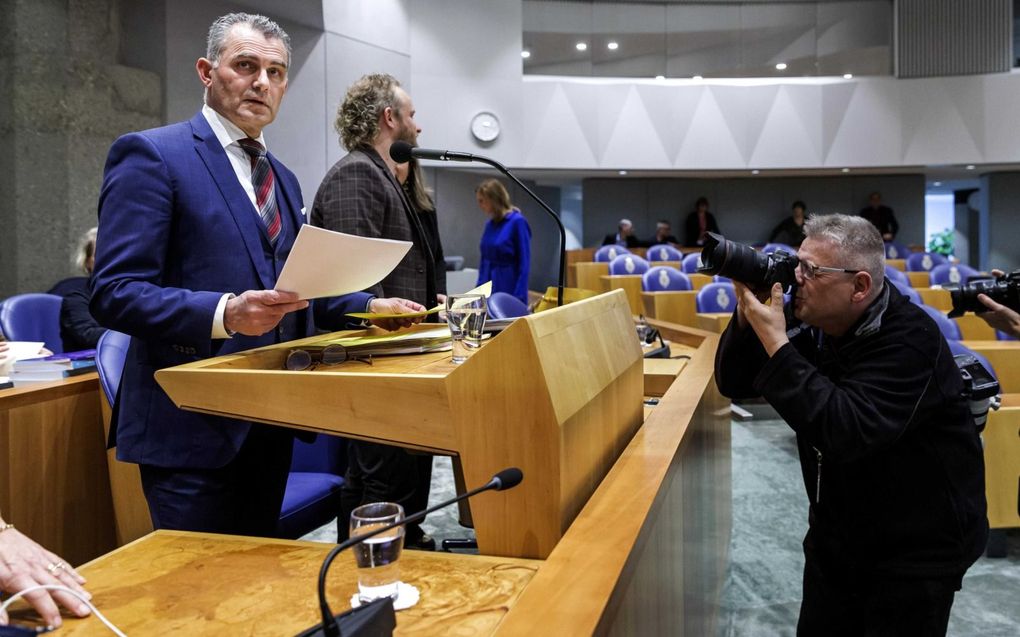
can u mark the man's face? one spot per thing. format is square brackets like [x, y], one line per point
[247, 83]
[662, 230]
[825, 300]
[875, 200]
[407, 129]
[625, 230]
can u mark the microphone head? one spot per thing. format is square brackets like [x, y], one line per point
[400, 151]
[507, 479]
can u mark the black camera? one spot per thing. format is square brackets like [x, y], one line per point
[1004, 290]
[979, 387]
[743, 263]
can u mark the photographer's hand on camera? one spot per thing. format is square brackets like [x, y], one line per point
[999, 316]
[765, 318]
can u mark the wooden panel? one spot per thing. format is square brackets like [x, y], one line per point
[936, 297]
[1002, 463]
[176, 583]
[1005, 358]
[589, 275]
[699, 281]
[631, 285]
[130, 510]
[974, 328]
[574, 257]
[672, 307]
[919, 280]
[899, 264]
[54, 483]
[714, 321]
[660, 374]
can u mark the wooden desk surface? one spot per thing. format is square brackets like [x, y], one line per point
[172, 582]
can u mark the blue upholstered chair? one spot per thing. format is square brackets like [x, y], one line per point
[924, 261]
[628, 264]
[662, 278]
[895, 250]
[947, 326]
[110, 353]
[716, 297]
[772, 247]
[605, 254]
[907, 290]
[312, 498]
[503, 305]
[664, 252]
[1002, 336]
[691, 263]
[895, 274]
[957, 348]
[718, 278]
[946, 273]
[32, 317]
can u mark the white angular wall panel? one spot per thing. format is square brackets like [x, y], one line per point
[807, 106]
[934, 131]
[635, 141]
[785, 138]
[558, 139]
[383, 23]
[709, 142]
[836, 100]
[1001, 117]
[671, 109]
[584, 103]
[967, 94]
[869, 133]
[739, 114]
[611, 100]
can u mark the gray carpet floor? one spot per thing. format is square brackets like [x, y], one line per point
[763, 587]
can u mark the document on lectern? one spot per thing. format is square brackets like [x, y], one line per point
[326, 263]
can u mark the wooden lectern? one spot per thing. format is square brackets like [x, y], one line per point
[558, 394]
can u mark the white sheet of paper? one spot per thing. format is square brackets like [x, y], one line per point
[16, 350]
[326, 263]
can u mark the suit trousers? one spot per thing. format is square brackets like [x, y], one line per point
[838, 604]
[244, 497]
[382, 473]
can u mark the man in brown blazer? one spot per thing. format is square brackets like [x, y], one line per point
[360, 195]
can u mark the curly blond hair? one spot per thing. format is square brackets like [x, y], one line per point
[357, 117]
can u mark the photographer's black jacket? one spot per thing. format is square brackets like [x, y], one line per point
[878, 414]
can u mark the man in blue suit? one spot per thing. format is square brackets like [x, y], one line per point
[196, 220]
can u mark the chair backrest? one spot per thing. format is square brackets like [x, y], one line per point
[716, 297]
[605, 254]
[958, 348]
[503, 305]
[110, 354]
[664, 252]
[924, 261]
[895, 250]
[628, 264]
[907, 290]
[691, 262]
[895, 274]
[1002, 336]
[947, 326]
[325, 454]
[662, 278]
[948, 273]
[32, 317]
[772, 247]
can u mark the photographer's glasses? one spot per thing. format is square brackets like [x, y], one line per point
[809, 270]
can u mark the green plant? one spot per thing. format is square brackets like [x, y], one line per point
[942, 243]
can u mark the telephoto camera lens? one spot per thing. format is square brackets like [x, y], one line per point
[747, 265]
[1004, 290]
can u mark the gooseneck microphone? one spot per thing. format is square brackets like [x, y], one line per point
[505, 479]
[401, 151]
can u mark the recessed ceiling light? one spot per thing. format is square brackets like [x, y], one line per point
[848, 76]
[970, 166]
[937, 184]
[660, 77]
[697, 77]
[755, 171]
[623, 172]
[845, 170]
[581, 46]
[612, 46]
[781, 66]
[525, 54]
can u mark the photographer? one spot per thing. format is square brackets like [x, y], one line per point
[999, 316]
[889, 453]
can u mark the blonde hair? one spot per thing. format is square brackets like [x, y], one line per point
[357, 117]
[86, 249]
[495, 192]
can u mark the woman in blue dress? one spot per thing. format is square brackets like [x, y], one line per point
[506, 242]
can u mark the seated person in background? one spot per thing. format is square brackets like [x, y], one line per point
[78, 330]
[791, 230]
[24, 564]
[624, 236]
[889, 452]
[698, 223]
[999, 316]
[663, 234]
[882, 216]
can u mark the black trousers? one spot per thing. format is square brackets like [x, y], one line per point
[837, 603]
[381, 473]
[243, 497]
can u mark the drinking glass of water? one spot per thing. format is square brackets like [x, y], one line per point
[465, 314]
[378, 572]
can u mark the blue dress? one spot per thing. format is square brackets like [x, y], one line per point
[506, 255]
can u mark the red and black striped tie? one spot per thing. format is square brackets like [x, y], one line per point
[263, 182]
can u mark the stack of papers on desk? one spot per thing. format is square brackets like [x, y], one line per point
[50, 368]
[435, 340]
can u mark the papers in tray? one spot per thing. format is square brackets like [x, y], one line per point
[485, 289]
[434, 340]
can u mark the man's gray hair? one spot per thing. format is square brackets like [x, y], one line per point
[220, 29]
[858, 244]
[357, 117]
